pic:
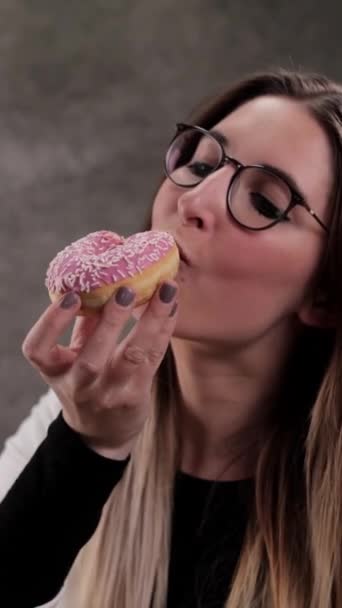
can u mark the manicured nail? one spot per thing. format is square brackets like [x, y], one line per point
[167, 292]
[124, 296]
[174, 308]
[69, 300]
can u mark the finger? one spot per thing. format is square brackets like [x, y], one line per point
[147, 343]
[40, 346]
[83, 328]
[138, 311]
[99, 347]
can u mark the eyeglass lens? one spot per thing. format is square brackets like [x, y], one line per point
[256, 197]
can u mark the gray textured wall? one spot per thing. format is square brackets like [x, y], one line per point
[89, 93]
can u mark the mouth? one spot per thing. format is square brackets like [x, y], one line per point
[183, 256]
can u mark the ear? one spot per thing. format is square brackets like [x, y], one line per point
[316, 313]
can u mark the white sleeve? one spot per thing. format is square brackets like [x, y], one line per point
[20, 447]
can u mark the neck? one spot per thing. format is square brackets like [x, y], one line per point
[226, 402]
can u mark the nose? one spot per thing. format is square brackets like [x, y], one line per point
[205, 204]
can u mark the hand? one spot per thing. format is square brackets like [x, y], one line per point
[104, 385]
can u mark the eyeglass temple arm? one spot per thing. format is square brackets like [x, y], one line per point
[299, 201]
[312, 212]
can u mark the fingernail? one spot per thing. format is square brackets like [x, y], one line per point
[174, 308]
[167, 292]
[69, 300]
[124, 296]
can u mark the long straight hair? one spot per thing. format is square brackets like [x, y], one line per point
[292, 551]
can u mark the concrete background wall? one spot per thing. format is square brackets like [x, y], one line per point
[89, 94]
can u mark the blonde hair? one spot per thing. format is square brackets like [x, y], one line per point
[292, 551]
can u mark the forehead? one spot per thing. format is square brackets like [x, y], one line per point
[283, 133]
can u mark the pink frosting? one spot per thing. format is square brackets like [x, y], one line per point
[103, 258]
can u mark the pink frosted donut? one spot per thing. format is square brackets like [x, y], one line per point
[100, 263]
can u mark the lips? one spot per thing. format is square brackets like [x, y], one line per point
[182, 253]
[183, 256]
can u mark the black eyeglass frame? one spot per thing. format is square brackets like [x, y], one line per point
[296, 198]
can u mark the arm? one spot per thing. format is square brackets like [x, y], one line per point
[49, 513]
[20, 447]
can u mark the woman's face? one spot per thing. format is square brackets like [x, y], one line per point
[242, 283]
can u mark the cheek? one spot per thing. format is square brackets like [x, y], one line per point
[281, 262]
[258, 279]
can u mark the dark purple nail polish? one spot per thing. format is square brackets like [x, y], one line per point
[167, 292]
[69, 300]
[124, 296]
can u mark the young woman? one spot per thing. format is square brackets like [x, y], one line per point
[221, 424]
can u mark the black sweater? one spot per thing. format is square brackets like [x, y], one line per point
[55, 505]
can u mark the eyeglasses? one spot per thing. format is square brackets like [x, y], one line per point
[257, 197]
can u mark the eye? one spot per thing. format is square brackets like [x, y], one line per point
[200, 169]
[266, 207]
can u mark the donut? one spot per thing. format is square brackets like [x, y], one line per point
[97, 265]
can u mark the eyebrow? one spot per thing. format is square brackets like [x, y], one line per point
[219, 136]
[286, 176]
